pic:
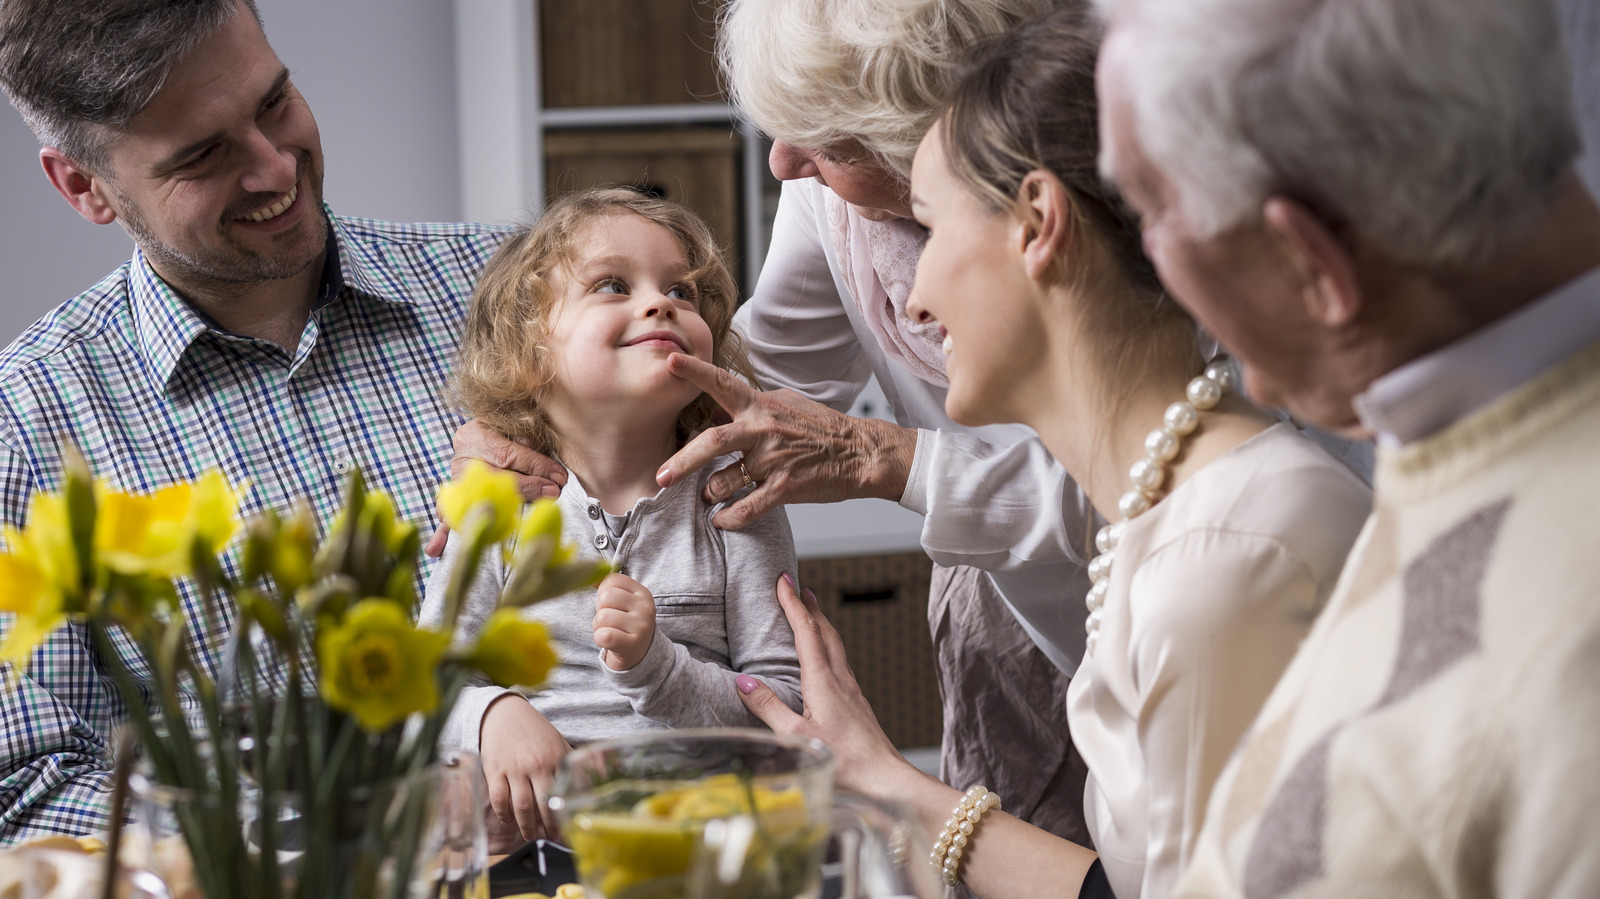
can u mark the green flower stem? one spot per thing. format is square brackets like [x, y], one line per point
[329, 779]
[268, 763]
[160, 758]
[475, 532]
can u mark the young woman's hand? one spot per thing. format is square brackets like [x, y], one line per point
[537, 474]
[1009, 858]
[836, 712]
[520, 749]
[624, 621]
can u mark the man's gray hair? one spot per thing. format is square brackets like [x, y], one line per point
[817, 73]
[76, 68]
[1440, 129]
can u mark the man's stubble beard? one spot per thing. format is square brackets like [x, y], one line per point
[232, 266]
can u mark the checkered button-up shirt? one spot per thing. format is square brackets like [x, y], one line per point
[154, 393]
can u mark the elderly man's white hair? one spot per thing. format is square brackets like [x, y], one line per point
[1439, 129]
[816, 73]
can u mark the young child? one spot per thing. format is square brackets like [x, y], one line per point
[566, 348]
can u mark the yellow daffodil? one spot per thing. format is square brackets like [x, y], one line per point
[48, 541]
[379, 519]
[155, 534]
[513, 651]
[483, 502]
[541, 521]
[294, 550]
[542, 567]
[28, 592]
[377, 666]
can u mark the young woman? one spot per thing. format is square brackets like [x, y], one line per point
[1228, 528]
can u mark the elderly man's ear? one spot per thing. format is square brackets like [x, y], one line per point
[1329, 285]
[81, 187]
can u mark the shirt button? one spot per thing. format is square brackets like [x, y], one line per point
[594, 511]
[344, 466]
[600, 541]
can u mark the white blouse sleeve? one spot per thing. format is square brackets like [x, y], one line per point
[795, 325]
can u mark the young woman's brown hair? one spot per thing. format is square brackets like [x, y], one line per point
[1030, 104]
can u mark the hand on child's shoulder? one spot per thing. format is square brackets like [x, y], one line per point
[624, 621]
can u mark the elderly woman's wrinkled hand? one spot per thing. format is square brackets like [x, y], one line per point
[795, 450]
[836, 712]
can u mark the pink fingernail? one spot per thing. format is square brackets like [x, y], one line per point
[811, 596]
[664, 476]
[746, 684]
[550, 490]
[789, 578]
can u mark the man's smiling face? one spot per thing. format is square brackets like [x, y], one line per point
[219, 179]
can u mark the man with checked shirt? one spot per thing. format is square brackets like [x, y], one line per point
[252, 331]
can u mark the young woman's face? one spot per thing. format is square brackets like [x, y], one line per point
[625, 304]
[971, 278]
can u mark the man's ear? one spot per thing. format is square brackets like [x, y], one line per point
[1046, 223]
[81, 187]
[1331, 289]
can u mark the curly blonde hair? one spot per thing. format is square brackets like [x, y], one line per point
[505, 367]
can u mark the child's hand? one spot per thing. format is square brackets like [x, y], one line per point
[520, 749]
[624, 621]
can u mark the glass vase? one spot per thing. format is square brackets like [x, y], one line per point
[412, 836]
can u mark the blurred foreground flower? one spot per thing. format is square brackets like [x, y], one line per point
[29, 593]
[482, 504]
[346, 696]
[513, 651]
[163, 533]
[379, 667]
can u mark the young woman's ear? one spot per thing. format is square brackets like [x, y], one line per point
[1329, 286]
[1045, 231]
[78, 185]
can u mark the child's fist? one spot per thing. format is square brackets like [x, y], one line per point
[624, 621]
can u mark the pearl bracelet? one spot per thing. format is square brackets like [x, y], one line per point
[952, 843]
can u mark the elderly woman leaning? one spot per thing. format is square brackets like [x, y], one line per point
[847, 88]
[1230, 527]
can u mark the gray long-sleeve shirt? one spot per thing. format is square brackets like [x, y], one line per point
[717, 615]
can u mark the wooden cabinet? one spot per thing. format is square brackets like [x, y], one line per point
[566, 94]
[628, 52]
[879, 604]
[697, 166]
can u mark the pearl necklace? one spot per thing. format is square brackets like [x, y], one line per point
[1148, 475]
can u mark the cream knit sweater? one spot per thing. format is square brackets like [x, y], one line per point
[1439, 732]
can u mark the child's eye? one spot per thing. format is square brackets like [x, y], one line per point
[683, 293]
[611, 285]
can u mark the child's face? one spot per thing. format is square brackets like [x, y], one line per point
[625, 304]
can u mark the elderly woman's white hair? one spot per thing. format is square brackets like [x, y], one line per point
[1439, 129]
[818, 73]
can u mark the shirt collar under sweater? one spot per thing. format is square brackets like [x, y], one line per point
[1430, 393]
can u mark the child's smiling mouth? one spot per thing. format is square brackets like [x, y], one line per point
[665, 339]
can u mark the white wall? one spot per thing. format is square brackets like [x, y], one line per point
[380, 77]
[1583, 35]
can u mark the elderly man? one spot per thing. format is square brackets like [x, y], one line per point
[252, 331]
[1373, 202]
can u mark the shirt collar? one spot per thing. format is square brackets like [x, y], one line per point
[1431, 393]
[168, 325]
